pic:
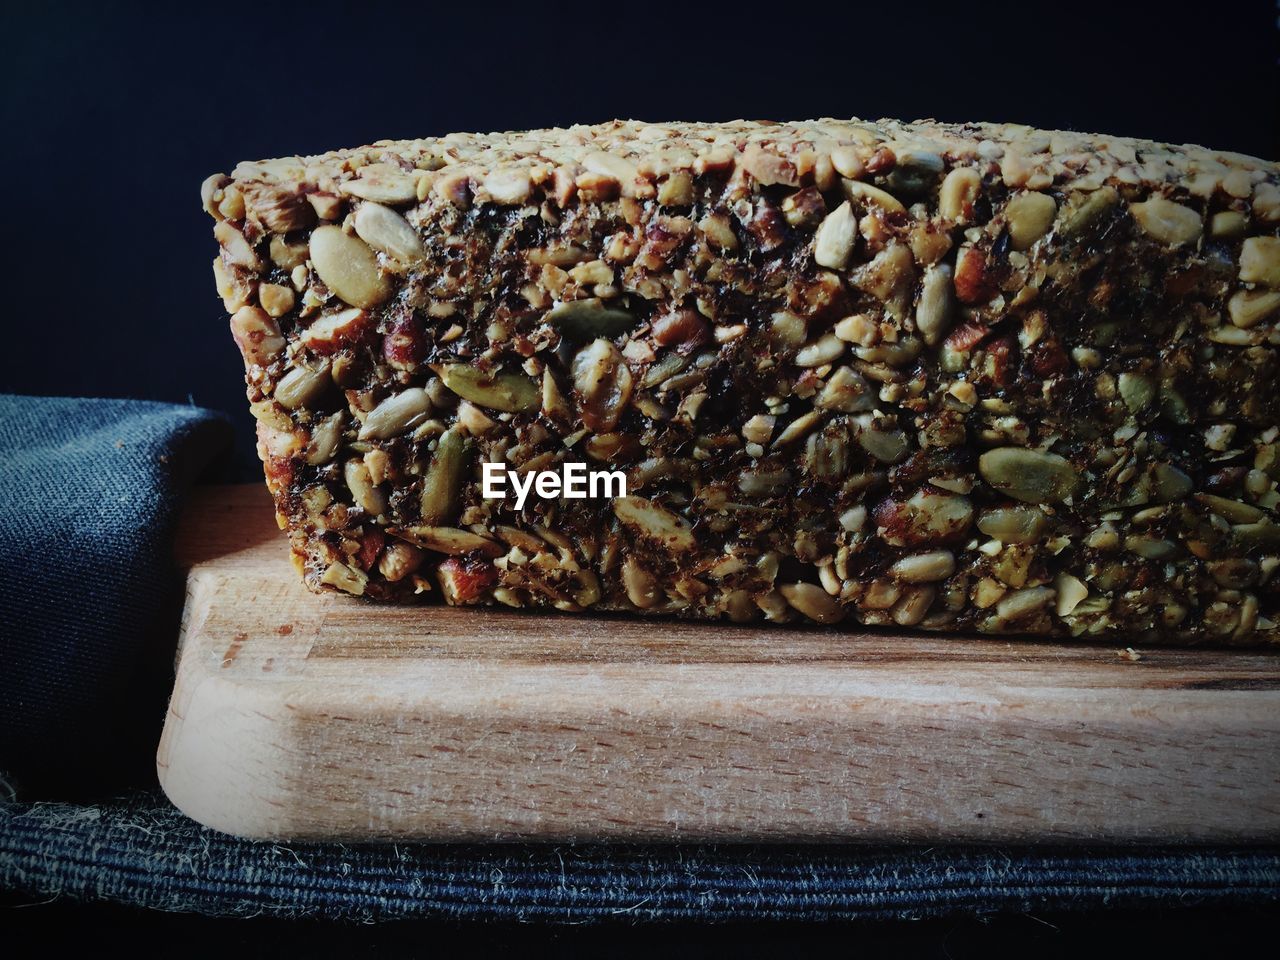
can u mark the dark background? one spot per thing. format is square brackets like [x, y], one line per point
[116, 112]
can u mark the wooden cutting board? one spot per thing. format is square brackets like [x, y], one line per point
[297, 716]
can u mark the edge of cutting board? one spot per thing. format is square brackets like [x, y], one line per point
[295, 716]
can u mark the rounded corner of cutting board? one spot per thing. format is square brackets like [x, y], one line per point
[221, 753]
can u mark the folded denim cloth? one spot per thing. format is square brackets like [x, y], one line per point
[91, 490]
[87, 628]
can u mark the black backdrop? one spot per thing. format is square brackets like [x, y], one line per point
[114, 113]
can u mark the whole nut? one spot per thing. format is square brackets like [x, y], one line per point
[348, 267]
[814, 602]
[387, 232]
[382, 184]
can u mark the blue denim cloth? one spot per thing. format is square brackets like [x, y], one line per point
[142, 852]
[87, 624]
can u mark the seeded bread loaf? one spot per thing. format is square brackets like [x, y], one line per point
[968, 377]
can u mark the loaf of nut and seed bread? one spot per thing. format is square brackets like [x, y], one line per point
[969, 377]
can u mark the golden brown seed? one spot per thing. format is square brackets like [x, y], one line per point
[348, 267]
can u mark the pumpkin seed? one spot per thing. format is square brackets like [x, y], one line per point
[1263, 535]
[589, 318]
[886, 445]
[1137, 390]
[1031, 476]
[1232, 510]
[1169, 483]
[1150, 548]
[1234, 574]
[442, 485]
[507, 390]
[1083, 212]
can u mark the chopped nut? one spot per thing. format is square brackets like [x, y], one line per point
[257, 335]
[1167, 221]
[1029, 215]
[275, 299]
[1260, 261]
[603, 384]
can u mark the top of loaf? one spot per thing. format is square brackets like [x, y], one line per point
[505, 168]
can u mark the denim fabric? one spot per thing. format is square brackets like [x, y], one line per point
[90, 492]
[140, 851]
